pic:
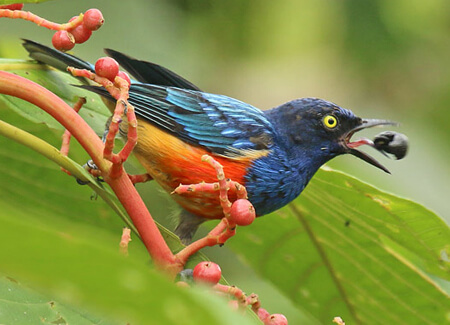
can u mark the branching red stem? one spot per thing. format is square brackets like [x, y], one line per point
[218, 236]
[65, 146]
[27, 90]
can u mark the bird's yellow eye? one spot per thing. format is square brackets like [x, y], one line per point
[330, 121]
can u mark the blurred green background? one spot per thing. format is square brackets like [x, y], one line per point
[382, 59]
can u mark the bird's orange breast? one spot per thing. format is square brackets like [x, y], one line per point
[171, 162]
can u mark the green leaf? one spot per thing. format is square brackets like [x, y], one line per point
[344, 248]
[94, 112]
[81, 265]
[21, 305]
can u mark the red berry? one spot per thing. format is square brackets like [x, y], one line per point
[263, 314]
[93, 19]
[207, 272]
[63, 40]
[277, 319]
[125, 76]
[242, 212]
[14, 6]
[107, 68]
[81, 34]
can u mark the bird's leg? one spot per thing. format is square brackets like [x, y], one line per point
[187, 226]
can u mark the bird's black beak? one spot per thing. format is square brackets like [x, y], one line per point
[351, 146]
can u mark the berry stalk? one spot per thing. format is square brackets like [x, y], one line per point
[28, 15]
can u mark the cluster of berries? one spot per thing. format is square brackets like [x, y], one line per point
[78, 30]
[65, 40]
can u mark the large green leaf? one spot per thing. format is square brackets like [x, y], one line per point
[344, 248]
[20, 305]
[81, 265]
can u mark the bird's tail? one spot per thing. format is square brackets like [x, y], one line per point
[54, 58]
[142, 71]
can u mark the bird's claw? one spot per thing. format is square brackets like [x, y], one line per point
[89, 166]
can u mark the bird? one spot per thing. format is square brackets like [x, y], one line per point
[274, 153]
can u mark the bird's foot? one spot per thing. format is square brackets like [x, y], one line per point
[92, 168]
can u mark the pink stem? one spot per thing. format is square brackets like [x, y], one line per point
[67, 135]
[29, 91]
[218, 236]
[131, 135]
[223, 186]
[27, 15]
[124, 241]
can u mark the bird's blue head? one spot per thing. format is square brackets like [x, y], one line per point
[318, 130]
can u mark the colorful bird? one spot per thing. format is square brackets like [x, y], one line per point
[273, 153]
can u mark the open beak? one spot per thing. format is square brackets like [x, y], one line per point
[351, 146]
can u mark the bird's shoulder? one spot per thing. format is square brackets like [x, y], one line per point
[221, 124]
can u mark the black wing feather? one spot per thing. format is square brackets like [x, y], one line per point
[150, 73]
